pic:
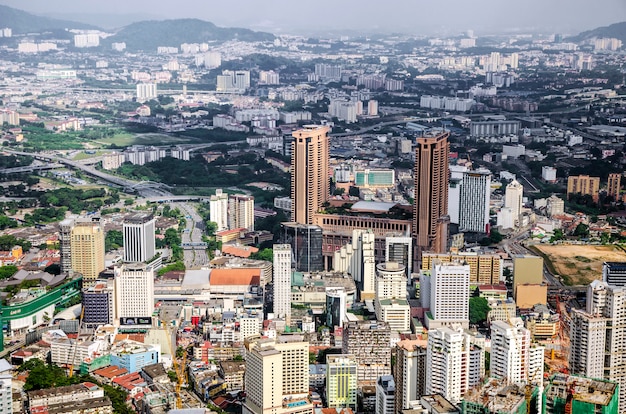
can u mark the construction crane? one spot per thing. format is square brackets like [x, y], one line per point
[80, 326]
[569, 401]
[179, 369]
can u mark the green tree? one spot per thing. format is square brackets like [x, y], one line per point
[263, 254]
[557, 235]
[7, 271]
[478, 310]
[113, 240]
[211, 227]
[582, 230]
[53, 269]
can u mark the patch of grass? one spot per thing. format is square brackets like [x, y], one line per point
[83, 155]
[126, 139]
[582, 259]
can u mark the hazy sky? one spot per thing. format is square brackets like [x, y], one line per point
[408, 16]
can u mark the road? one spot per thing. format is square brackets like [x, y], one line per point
[194, 258]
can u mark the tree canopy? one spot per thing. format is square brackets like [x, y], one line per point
[478, 310]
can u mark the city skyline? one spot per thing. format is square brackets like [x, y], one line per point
[351, 17]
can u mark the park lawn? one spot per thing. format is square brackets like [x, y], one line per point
[82, 155]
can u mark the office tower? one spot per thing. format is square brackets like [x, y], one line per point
[99, 304]
[513, 199]
[474, 196]
[336, 299]
[614, 273]
[369, 342]
[241, 212]
[409, 373]
[400, 250]
[282, 282]
[218, 209]
[134, 291]
[87, 250]
[146, 92]
[276, 378]
[138, 233]
[510, 343]
[310, 184]
[449, 294]
[306, 246]
[385, 395]
[65, 244]
[362, 263]
[391, 281]
[430, 213]
[341, 381]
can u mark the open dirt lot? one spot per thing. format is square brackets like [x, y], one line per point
[580, 264]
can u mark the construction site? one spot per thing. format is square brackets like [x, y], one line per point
[499, 396]
[568, 394]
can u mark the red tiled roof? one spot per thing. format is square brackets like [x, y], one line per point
[245, 276]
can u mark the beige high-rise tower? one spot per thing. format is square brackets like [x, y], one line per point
[87, 250]
[430, 210]
[310, 185]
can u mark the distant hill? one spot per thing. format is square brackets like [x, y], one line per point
[617, 30]
[22, 22]
[149, 35]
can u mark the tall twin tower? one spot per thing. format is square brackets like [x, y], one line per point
[310, 184]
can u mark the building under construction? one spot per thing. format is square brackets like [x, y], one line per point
[498, 396]
[569, 394]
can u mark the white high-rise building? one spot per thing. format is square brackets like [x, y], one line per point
[134, 291]
[475, 194]
[385, 395]
[139, 242]
[513, 199]
[86, 40]
[276, 378]
[146, 92]
[357, 258]
[372, 107]
[269, 77]
[6, 393]
[444, 359]
[212, 60]
[341, 381]
[510, 351]
[390, 281]
[282, 282]
[449, 294]
[587, 338]
[606, 302]
[218, 209]
[241, 212]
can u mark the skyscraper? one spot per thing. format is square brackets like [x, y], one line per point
[474, 205]
[385, 395]
[430, 212]
[139, 244]
[310, 186]
[87, 250]
[241, 212]
[282, 282]
[218, 209]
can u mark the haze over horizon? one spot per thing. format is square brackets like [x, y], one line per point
[366, 16]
